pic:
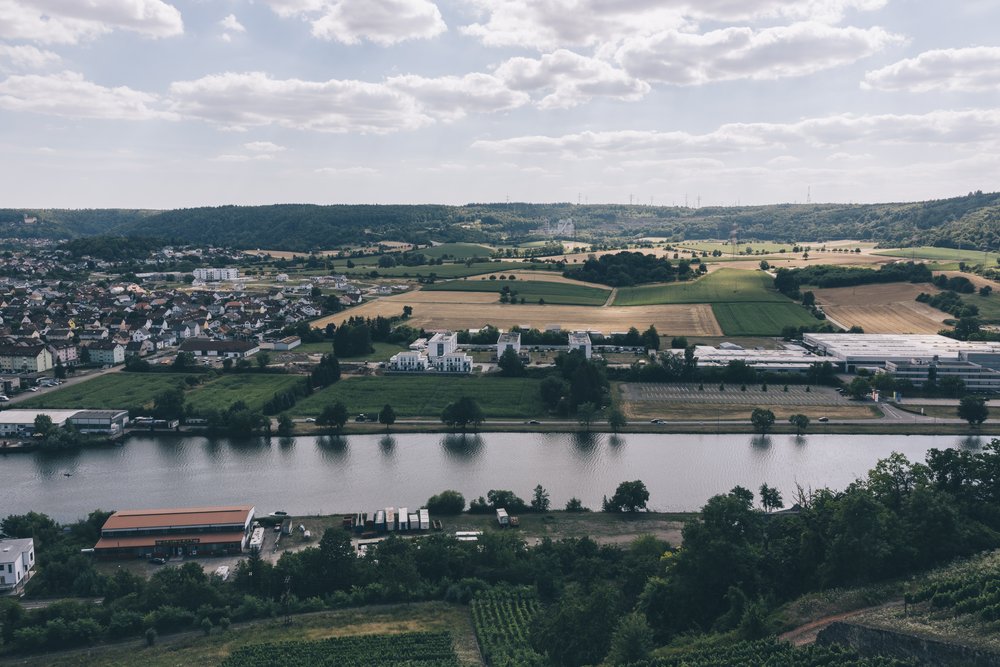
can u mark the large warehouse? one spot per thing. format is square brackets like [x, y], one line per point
[853, 350]
[192, 531]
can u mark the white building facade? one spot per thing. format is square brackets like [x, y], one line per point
[216, 275]
[17, 558]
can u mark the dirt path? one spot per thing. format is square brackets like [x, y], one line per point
[806, 634]
[611, 297]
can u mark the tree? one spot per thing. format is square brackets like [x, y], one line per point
[808, 299]
[510, 363]
[334, 414]
[616, 420]
[762, 420]
[800, 422]
[60, 370]
[169, 404]
[651, 338]
[285, 425]
[43, 425]
[182, 361]
[860, 387]
[628, 497]
[770, 498]
[540, 499]
[446, 502]
[387, 416]
[462, 413]
[574, 504]
[973, 410]
[263, 359]
[631, 642]
[585, 414]
[552, 389]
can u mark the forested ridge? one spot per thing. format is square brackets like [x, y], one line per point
[969, 221]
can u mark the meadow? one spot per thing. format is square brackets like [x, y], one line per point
[110, 391]
[443, 271]
[970, 255]
[721, 286]
[760, 319]
[251, 388]
[457, 250]
[427, 396]
[531, 290]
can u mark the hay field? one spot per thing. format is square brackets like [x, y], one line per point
[722, 286]
[888, 308]
[467, 310]
[530, 290]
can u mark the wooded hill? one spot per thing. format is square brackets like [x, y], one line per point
[969, 221]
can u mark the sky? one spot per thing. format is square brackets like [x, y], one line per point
[178, 103]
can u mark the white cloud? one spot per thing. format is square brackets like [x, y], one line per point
[452, 97]
[69, 94]
[571, 78]
[25, 58]
[744, 53]
[383, 22]
[236, 157]
[347, 171]
[69, 21]
[255, 99]
[552, 24]
[230, 24]
[974, 69]
[977, 126]
[263, 147]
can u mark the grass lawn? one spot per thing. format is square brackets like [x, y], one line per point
[760, 319]
[192, 648]
[721, 286]
[989, 306]
[423, 396]
[531, 290]
[947, 254]
[457, 250]
[251, 388]
[113, 390]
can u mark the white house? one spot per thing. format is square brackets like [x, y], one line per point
[17, 558]
[580, 340]
[509, 341]
[455, 362]
[442, 343]
[408, 362]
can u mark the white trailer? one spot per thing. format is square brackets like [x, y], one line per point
[415, 521]
[390, 518]
[502, 517]
[257, 539]
[404, 518]
[425, 519]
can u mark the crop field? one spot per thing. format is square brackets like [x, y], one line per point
[770, 652]
[110, 391]
[416, 649]
[457, 250]
[969, 255]
[760, 319]
[427, 396]
[251, 388]
[726, 248]
[442, 271]
[530, 290]
[467, 310]
[888, 308]
[502, 618]
[720, 286]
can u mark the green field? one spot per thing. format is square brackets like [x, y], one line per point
[423, 396]
[252, 389]
[382, 351]
[760, 319]
[765, 246]
[531, 290]
[457, 250]
[446, 270]
[721, 286]
[969, 255]
[989, 306]
[110, 391]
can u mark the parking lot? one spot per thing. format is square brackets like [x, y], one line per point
[732, 395]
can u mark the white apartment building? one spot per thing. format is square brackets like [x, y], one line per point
[216, 275]
[17, 558]
[580, 340]
[442, 343]
[510, 340]
[408, 362]
[455, 362]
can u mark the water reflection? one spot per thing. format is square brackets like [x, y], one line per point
[799, 440]
[971, 442]
[286, 443]
[761, 441]
[584, 442]
[334, 447]
[463, 446]
[387, 444]
[615, 441]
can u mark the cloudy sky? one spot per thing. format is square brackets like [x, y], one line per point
[170, 103]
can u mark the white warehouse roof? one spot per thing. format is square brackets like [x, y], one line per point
[853, 348]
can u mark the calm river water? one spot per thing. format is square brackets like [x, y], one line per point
[324, 475]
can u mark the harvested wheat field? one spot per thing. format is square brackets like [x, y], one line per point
[470, 310]
[888, 308]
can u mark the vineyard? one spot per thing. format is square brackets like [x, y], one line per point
[502, 618]
[770, 652]
[414, 649]
[970, 589]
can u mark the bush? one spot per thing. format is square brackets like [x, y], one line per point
[446, 502]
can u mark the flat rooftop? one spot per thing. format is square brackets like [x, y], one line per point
[27, 417]
[178, 518]
[895, 346]
[11, 550]
[509, 337]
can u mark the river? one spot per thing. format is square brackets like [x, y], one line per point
[323, 475]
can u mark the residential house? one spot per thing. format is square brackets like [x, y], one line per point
[107, 353]
[17, 558]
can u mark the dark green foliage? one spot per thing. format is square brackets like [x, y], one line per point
[462, 413]
[771, 652]
[973, 410]
[788, 281]
[414, 649]
[334, 415]
[503, 618]
[326, 372]
[628, 497]
[628, 268]
[510, 363]
[446, 502]
[762, 420]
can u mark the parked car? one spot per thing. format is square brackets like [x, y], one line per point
[158, 561]
[310, 420]
[532, 421]
[32, 389]
[3, 399]
[823, 419]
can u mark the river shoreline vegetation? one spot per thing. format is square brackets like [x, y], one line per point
[571, 601]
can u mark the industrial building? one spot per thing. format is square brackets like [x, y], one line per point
[105, 422]
[788, 359]
[193, 531]
[21, 423]
[851, 351]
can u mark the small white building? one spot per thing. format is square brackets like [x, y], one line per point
[580, 340]
[509, 341]
[17, 558]
[442, 343]
[408, 362]
[455, 362]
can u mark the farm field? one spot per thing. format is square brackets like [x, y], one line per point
[112, 390]
[443, 271]
[530, 290]
[195, 649]
[943, 254]
[415, 649]
[251, 388]
[457, 250]
[760, 319]
[989, 306]
[454, 310]
[503, 618]
[720, 286]
[427, 396]
[888, 308]
[382, 351]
